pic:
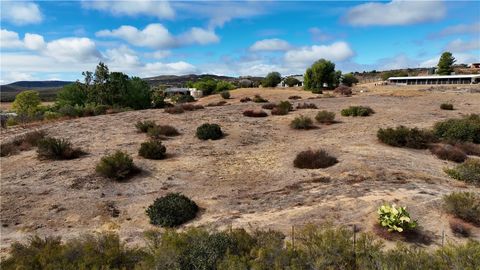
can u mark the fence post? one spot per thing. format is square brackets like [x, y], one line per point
[293, 237]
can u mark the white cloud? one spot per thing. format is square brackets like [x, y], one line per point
[396, 12]
[72, 49]
[462, 58]
[21, 13]
[9, 39]
[305, 56]
[397, 62]
[459, 29]
[157, 36]
[273, 44]
[174, 68]
[458, 45]
[153, 35]
[15, 76]
[153, 8]
[122, 57]
[158, 54]
[34, 42]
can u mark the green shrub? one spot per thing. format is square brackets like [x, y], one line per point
[209, 132]
[469, 171]
[117, 166]
[104, 251]
[325, 117]
[466, 129]
[177, 99]
[53, 148]
[357, 111]
[69, 110]
[144, 126]
[404, 137]
[305, 105]
[100, 109]
[156, 132]
[448, 152]
[302, 122]
[11, 121]
[285, 106]
[26, 102]
[464, 205]
[8, 149]
[314, 159]
[51, 115]
[152, 150]
[172, 210]
[446, 106]
[395, 218]
[255, 113]
[225, 94]
[259, 99]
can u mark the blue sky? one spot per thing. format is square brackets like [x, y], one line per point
[47, 40]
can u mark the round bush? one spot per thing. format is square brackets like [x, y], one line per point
[172, 210]
[325, 117]
[357, 111]
[144, 126]
[255, 113]
[302, 122]
[314, 159]
[209, 132]
[117, 166]
[53, 148]
[152, 150]
[225, 94]
[466, 129]
[446, 106]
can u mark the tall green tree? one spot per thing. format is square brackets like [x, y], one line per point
[291, 81]
[26, 102]
[321, 75]
[445, 64]
[348, 79]
[272, 79]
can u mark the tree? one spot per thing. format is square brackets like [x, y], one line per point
[445, 63]
[349, 79]
[291, 81]
[272, 79]
[223, 86]
[207, 85]
[320, 75]
[72, 94]
[26, 102]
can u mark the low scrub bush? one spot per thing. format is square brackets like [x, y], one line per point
[448, 152]
[469, 148]
[177, 99]
[209, 132]
[466, 129]
[157, 131]
[343, 90]
[395, 219]
[8, 149]
[70, 111]
[152, 150]
[285, 105]
[225, 94]
[357, 111]
[255, 113]
[172, 210]
[53, 148]
[245, 99]
[144, 126]
[279, 111]
[217, 104]
[468, 171]
[174, 110]
[294, 97]
[314, 159]
[48, 115]
[259, 99]
[269, 106]
[404, 137]
[191, 107]
[463, 205]
[22, 143]
[446, 106]
[302, 122]
[305, 105]
[11, 121]
[460, 227]
[325, 117]
[118, 166]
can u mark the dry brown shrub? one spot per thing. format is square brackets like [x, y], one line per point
[255, 113]
[448, 152]
[460, 227]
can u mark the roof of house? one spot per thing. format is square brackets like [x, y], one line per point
[176, 90]
[433, 77]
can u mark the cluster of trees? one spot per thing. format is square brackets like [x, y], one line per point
[210, 85]
[107, 88]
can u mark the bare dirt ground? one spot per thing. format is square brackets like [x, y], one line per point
[246, 179]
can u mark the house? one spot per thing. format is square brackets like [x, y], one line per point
[171, 91]
[438, 79]
[475, 65]
[298, 77]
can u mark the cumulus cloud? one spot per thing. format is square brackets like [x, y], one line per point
[396, 12]
[157, 36]
[34, 42]
[21, 13]
[72, 49]
[305, 56]
[273, 44]
[152, 8]
[9, 39]
[458, 45]
[459, 29]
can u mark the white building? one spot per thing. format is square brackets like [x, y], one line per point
[298, 77]
[438, 79]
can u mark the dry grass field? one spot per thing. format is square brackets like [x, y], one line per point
[246, 179]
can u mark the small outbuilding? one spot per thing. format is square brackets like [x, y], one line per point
[183, 91]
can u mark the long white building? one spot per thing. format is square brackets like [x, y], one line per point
[438, 79]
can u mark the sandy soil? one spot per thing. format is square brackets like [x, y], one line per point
[243, 180]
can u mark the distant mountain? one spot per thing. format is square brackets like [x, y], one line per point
[37, 84]
[47, 89]
[178, 81]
